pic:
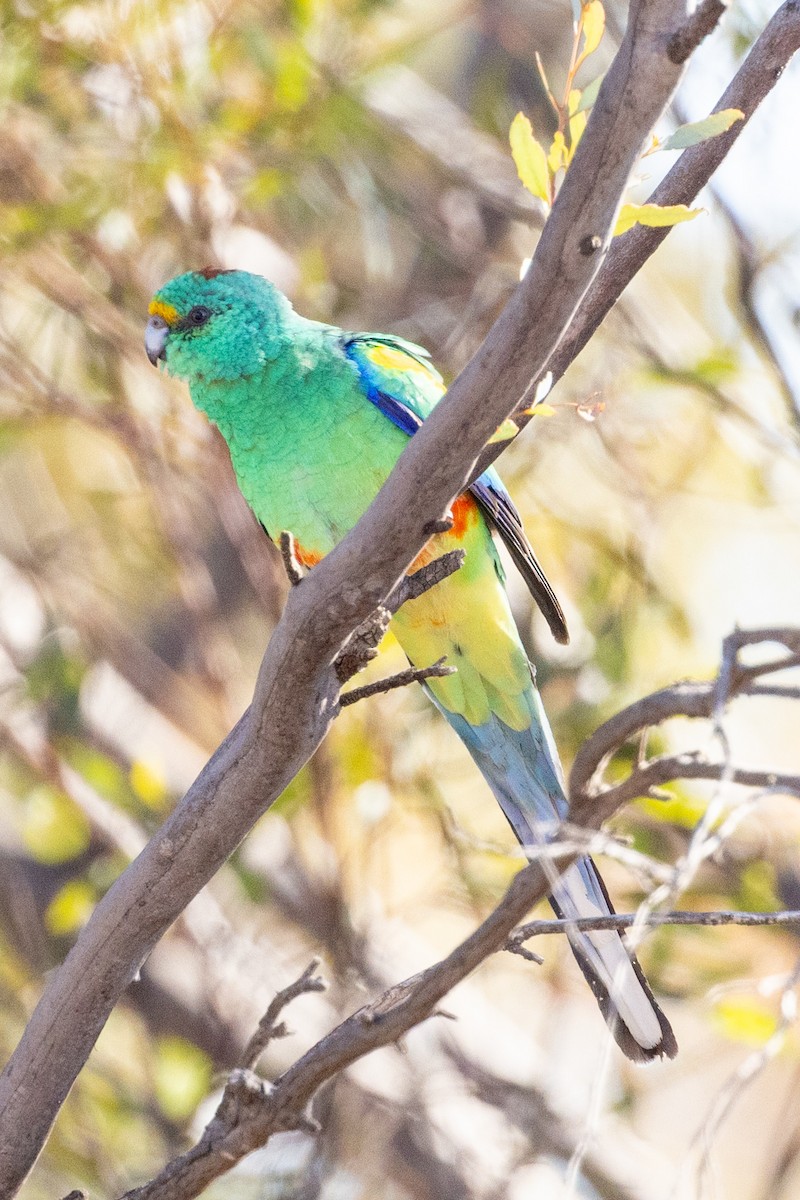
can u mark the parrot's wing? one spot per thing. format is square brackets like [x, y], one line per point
[400, 380]
[498, 507]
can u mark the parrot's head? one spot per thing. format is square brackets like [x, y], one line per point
[212, 326]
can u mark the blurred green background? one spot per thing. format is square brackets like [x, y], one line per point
[357, 154]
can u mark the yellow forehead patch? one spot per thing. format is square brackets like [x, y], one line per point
[159, 308]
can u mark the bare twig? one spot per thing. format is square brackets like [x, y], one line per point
[712, 830]
[733, 676]
[237, 1129]
[422, 580]
[402, 679]
[626, 920]
[269, 1027]
[363, 644]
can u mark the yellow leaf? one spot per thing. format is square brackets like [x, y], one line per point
[558, 158]
[53, 829]
[530, 158]
[543, 410]
[594, 23]
[182, 1077]
[70, 908]
[148, 784]
[653, 215]
[745, 1019]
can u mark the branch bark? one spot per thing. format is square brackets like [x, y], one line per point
[296, 695]
[625, 920]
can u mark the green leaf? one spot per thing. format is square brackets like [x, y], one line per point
[700, 131]
[505, 432]
[577, 122]
[589, 94]
[653, 215]
[558, 157]
[530, 158]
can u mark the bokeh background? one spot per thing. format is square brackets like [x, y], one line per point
[356, 153]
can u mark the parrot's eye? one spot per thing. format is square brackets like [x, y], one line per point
[198, 315]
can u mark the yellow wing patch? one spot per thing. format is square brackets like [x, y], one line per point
[159, 308]
[392, 359]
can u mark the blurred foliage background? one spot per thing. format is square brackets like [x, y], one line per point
[356, 153]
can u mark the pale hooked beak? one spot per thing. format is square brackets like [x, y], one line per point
[155, 338]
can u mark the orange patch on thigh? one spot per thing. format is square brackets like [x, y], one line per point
[309, 558]
[464, 511]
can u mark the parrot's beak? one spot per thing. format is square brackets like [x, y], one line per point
[155, 338]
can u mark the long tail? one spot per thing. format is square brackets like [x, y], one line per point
[523, 771]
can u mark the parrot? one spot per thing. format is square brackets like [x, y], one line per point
[314, 419]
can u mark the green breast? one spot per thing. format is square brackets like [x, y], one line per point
[310, 451]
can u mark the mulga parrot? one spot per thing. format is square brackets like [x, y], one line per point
[315, 419]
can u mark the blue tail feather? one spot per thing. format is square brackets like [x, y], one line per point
[524, 773]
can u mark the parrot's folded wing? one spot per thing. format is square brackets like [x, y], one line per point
[498, 508]
[399, 379]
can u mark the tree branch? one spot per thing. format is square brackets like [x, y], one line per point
[699, 25]
[268, 1027]
[533, 929]
[402, 679]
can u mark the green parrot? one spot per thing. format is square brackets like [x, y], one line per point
[315, 419]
